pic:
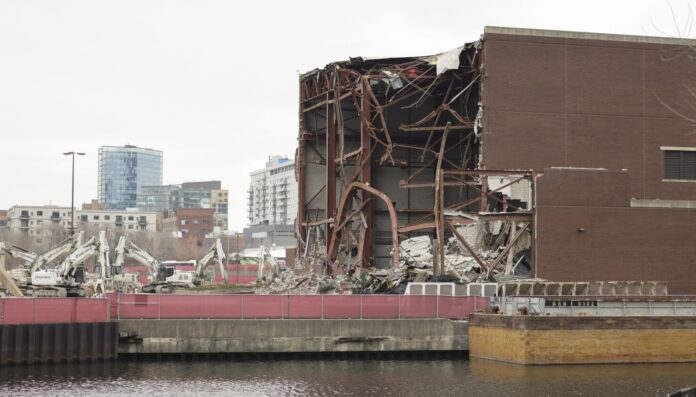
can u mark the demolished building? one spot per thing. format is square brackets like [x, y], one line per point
[559, 155]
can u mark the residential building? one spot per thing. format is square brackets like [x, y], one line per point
[123, 171]
[32, 218]
[195, 222]
[125, 220]
[269, 235]
[93, 205]
[206, 194]
[219, 200]
[168, 223]
[593, 123]
[159, 198]
[272, 194]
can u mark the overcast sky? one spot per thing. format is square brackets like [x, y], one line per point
[213, 84]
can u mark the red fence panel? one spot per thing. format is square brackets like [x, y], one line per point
[53, 310]
[263, 306]
[138, 306]
[180, 306]
[91, 310]
[342, 306]
[418, 306]
[222, 306]
[17, 311]
[303, 306]
[380, 306]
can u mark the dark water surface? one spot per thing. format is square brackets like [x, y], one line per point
[450, 377]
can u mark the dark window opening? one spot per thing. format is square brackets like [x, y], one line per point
[680, 164]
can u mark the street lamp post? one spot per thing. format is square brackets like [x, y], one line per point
[72, 197]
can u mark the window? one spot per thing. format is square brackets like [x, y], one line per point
[680, 165]
[130, 226]
[130, 218]
[107, 217]
[95, 217]
[39, 213]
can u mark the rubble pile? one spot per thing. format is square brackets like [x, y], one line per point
[416, 265]
[288, 282]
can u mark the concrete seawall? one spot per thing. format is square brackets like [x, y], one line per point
[293, 336]
[582, 339]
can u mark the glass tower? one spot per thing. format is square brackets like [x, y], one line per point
[123, 171]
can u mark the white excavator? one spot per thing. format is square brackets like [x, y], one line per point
[7, 281]
[165, 279]
[268, 266]
[68, 278]
[112, 275]
[34, 262]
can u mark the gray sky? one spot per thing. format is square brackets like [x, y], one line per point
[213, 84]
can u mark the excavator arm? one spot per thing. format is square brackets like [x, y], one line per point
[69, 244]
[7, 248]
[142, 257]
[217, 254]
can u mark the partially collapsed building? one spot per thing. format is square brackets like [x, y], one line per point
[558, 155]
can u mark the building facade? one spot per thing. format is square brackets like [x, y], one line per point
[195, 222]
[32, 219]
[123, 171]
[593, 123]
[268, 236]
[126, 220]
[207, 194]
[159, 198]
[272, 194]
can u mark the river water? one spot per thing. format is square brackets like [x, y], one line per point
[431, 377]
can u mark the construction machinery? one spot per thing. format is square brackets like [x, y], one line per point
[7, 281]
[268, 266]
[112, 275]
[34, 262]
[164, 279]
[68, 278]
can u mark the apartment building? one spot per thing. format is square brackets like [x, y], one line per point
[126, 220]
[272, 194]
[32, 218]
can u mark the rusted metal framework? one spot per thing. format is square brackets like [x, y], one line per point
[390, 148]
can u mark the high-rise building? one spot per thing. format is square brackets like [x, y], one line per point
[273, 193]
[159, 198]
[123, 171]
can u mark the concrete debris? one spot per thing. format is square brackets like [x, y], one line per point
[416, 257]
[288, 282]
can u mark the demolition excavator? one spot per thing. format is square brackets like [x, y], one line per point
[68, 277]
[164, 279]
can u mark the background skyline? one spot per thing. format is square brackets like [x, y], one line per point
[213, 84]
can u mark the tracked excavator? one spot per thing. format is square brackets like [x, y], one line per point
[165, 279]
[68, 278]
[34, 262]
[7, 281]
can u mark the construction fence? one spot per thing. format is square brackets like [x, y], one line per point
[53, 310]
[143, 306]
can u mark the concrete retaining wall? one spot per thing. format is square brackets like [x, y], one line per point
[582, 340]
[293, 336]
